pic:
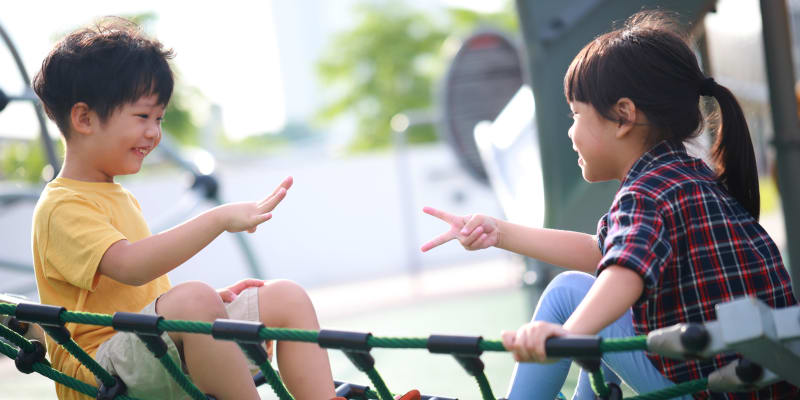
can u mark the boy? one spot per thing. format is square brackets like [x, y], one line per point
[106, 87]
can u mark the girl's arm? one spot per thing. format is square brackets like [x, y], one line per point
[614, 292]
[136, 263]
[571, 250]
[567, 249]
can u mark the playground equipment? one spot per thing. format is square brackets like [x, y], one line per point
[768, 339]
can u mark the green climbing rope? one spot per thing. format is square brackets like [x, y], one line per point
[272, 378]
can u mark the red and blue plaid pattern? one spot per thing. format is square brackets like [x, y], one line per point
[695, 246]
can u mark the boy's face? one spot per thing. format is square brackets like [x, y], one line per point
[127, 136]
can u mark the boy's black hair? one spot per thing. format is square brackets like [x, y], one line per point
[649, 62]
[106, 65]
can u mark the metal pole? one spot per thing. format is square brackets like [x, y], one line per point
[780, 76]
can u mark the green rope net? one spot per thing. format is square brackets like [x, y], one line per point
[271, 376]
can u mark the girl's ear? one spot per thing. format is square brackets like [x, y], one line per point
[625, 109]
[80, 118]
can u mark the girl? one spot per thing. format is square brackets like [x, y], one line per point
[679, 237]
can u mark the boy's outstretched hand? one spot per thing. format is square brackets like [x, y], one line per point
[247, 216]
[474, 232]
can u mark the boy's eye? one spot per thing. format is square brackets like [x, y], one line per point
[142, 116]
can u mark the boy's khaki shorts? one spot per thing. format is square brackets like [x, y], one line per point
[126, 356]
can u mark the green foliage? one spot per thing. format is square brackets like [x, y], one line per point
[23, 160]
[391, 62]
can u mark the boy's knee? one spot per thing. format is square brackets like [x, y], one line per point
[285, 290]
[191, 300]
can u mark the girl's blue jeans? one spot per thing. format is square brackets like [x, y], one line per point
[544, 381]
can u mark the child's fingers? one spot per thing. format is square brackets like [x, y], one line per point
[474, 221]
[286, 184]
[271, 202]
[482, 242]
[444, 216]
[438, 241]
[470, 240]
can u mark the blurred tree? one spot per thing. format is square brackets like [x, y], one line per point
[390, 62]
[25, 160]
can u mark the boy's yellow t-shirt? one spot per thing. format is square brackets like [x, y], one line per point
[74, 223]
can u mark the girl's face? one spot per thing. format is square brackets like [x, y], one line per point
[593, 137]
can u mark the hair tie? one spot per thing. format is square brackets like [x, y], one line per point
[707, 87]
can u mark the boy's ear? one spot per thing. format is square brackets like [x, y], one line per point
[625, 109]
[80, 118]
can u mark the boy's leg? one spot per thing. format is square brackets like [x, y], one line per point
[217, 367]
[304, 367]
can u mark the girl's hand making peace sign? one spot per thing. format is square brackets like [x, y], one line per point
[474, 232]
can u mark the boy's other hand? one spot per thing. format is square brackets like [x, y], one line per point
[229, 293]
[247, 216]
[474, 232]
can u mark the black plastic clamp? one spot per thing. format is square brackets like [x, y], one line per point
[614, 392]
[472, 364]
[589, 364]
[154, 343]
[59, 333]
[694, 338]
[138, 323]
[575, 346]
[351, 391]
[330, 339]
[111, 392]
[25, 360]
[361, 359]
[42, 314]
[255, 351]
[449, 344]
[748, 371]
[239, 331]
[17, 326]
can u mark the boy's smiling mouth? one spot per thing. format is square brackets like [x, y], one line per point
[142, 151]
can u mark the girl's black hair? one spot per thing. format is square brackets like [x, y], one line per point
[105, 66]
[650, 62]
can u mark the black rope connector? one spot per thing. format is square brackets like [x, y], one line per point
[111, 392]
[59, 333]
[449, 344]
[330, 339]
[42, 314]
[748, 371]
[255, 351]
[137, 323]
[25, 360]
[614, 392]
[472, 364]
[361, 359]
[351, 390]
[589, 364]
[694, 337]
[239, 331]
[18, 326]
[575, 346]
[154, 343]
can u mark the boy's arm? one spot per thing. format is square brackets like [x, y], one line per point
[142, 261]
[568, 249]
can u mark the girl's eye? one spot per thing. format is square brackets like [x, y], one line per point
[142, 116]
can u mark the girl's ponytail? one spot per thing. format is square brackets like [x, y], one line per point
[732, 152]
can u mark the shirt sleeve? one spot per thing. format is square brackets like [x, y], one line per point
[78, 235]
[635, 238]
